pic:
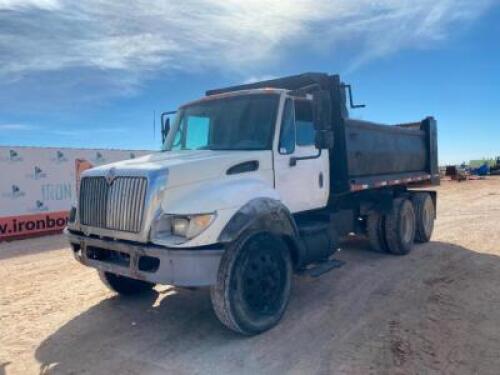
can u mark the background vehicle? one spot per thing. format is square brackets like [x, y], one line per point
[495, 169]
[256, 182]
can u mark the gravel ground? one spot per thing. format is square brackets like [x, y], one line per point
[434, 311]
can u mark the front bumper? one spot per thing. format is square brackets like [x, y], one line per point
[181, 267]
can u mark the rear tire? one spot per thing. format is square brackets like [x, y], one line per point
[253, 284]
[375, 227]
[400, 227]
[425, 213]
[124, 285]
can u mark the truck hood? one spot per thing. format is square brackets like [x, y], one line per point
[185, 167]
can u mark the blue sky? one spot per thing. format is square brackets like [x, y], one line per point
[91, 73]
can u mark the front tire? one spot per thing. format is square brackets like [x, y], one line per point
[124, 285]
[253, 284]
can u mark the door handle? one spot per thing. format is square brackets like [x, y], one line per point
[320, 180]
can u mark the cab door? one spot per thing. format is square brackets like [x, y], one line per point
[303, 185]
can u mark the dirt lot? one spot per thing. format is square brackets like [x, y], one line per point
[434, 311]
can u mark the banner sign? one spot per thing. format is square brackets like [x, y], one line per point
[27, 225]
[38, 185]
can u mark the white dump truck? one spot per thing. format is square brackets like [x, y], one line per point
[255, 183]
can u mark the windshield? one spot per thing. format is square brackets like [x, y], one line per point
[243, 122]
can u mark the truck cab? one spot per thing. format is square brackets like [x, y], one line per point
[251, 186]
[258, 138]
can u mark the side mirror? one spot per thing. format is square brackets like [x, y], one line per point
[322, 114]
[165, 128]
[324, 139]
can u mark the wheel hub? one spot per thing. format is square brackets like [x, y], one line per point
[407, 227]
[263, 282]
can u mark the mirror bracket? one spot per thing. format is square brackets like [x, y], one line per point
[295, 159]
[324, 139]
[165, 124]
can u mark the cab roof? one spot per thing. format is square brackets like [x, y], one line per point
[263, 90]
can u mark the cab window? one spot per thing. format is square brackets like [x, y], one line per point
[197, 132]
[241, 122]
[304, 123]
[287, 134]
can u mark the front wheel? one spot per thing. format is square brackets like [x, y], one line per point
[253, 284]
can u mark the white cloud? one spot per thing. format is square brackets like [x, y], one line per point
[253, 79]
[20, 4]
[77, 132]
[86, 132]
[16, 127]
[136, 38]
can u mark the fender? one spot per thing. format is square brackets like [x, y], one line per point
[268, 215]
[225, 197]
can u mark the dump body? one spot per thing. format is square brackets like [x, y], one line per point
[380, 155]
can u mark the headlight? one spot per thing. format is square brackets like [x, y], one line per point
[180, 226]
[185, 226]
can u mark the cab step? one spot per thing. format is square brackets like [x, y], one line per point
[318, 269]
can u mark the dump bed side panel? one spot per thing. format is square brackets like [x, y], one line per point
[374, 149]
[382, 155]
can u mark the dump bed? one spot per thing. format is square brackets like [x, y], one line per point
[379, 155]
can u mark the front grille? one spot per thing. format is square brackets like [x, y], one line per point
[119, 206]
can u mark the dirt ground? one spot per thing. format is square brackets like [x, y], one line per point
[434, 311]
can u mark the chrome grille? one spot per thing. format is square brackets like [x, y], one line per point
[119, 206]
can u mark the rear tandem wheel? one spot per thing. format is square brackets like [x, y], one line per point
[425, 213]
[400, 227]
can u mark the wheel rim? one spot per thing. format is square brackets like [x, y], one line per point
[407, 226]
[263, 282]
[427, 217]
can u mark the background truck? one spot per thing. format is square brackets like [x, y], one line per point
[495, 168]
[255, 183]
